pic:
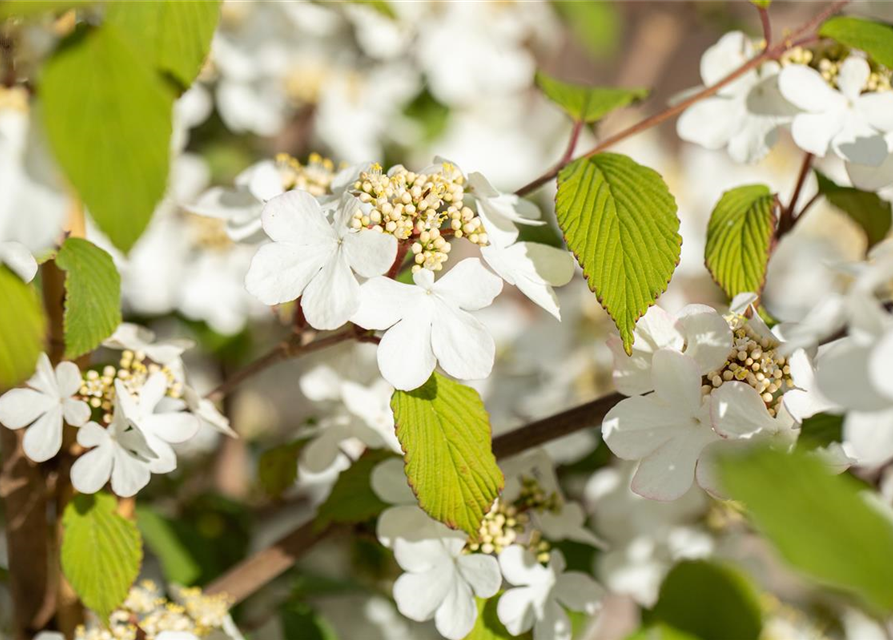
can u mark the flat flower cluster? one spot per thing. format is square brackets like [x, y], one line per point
[834, 101]
[445, 569]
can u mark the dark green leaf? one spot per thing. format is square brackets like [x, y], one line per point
[587, 104]
[445, 431]
[619, 219]
[161, 538]
[174, 34]
[661, 631]
[278, 467]
[739, 239]
[821, 523]
[710, 601]
[820, 430]
[92, 295]
[596, 24]
[108, 119]
[101, 552]
[22, 329]
[866, 209]
[301, 622]
[352, 499]
[874, 38]
[31, 8]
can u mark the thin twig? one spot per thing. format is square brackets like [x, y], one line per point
[572, 143]
[767, 25]
[787, 220]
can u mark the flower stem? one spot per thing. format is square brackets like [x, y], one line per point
[787, 220]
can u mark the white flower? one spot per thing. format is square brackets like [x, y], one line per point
[869, 178]
[119, 452]
[43, 405]
[744, 115]
[140, 339]
[241, 206]
[159, 418]
[667, 430]
[315, 260]
[17, 257]
[428, 323]
[534, 268]
[541, 594]
[441, 581]
[846, 120]
[697, 330]
[501, 212]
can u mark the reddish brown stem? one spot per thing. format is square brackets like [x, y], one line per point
[787, 220]
[402, 249]
[767, 25]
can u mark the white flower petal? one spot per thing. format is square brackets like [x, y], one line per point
[332, 296]
[172, 427]
[711, 122]
[813, 132]
[879, 365]
[388, 481]
[515, 610]
[579, 592]
[383, 302]
[44, 378]
[319, 454]
[91, 471]
[455, 618]
[418, 595]
[463, 346]
[17, 257]
[405, 357]
[868, 437]
[43, 439]
[520, 566]
[852, 76]
[805, 88]
[129, 474]
[738, 411]
[669, 472]
[481, 572]
[370, 253]
[75, 412]
[638, 426]
[468, 285]
[870, 178]
[295, 217]
[21, 407]
[554, 623]
[731, 51]
[844, 377]
[877, 109]
[677, 380]
[68, 377]
[280, 272]
[265, 181]
[708, 337]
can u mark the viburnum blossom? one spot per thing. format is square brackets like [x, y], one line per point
[48, 399]
[541, 593]
[315, 260]
[844, 119]
[440, 580]
[743, 116]
[118, 453]
[428, 323]
[501, 213]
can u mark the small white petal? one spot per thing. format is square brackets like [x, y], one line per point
[91, 471]
[280, 272]
[805, 88]
[405, 356]
[738, 411]
[21, 407]
[17, 257]
[332, 296]
[469, 285]
[75, 412]
[295, 217]
[383, 302]
[43, 439]
[370, 253]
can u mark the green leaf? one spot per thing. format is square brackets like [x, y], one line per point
[22, 329]
[596, 24]
[108, 119]
[488, 627]
[278, 467]
[866, 209]
[382, 6]
[874, 38]
[661, 631]
[161, 538]
[820, 430]
[92, 296]
[352, 499]
[587, 103]
[762, 4]
[30, 8]
[695, 587]
[821, 523]
[101, 552]
[174, 34]
[445, 432]
[619, 219]
[740, 238]
[300, 620]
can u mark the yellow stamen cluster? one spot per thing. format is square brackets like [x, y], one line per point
[145, 610]
[207, 233]
[315, 177]
[828, 63]
[507, 524]
[134, 368]
[408, 205]
[755, 361]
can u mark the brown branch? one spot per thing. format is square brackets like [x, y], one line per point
[257, 570]
[787, 220]
[770, 53]
[767, 25]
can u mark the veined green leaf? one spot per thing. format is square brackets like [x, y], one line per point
[108, 119]
[174, 34]
[619, 219]
[352, 499]
[101, 552]
[445, 432]
[866, 209]
[92, 296]
[278, 467]
[22, 329]
[587, 104]
[693, 587]
[739, 239]
[823, 525]
[872, 37]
